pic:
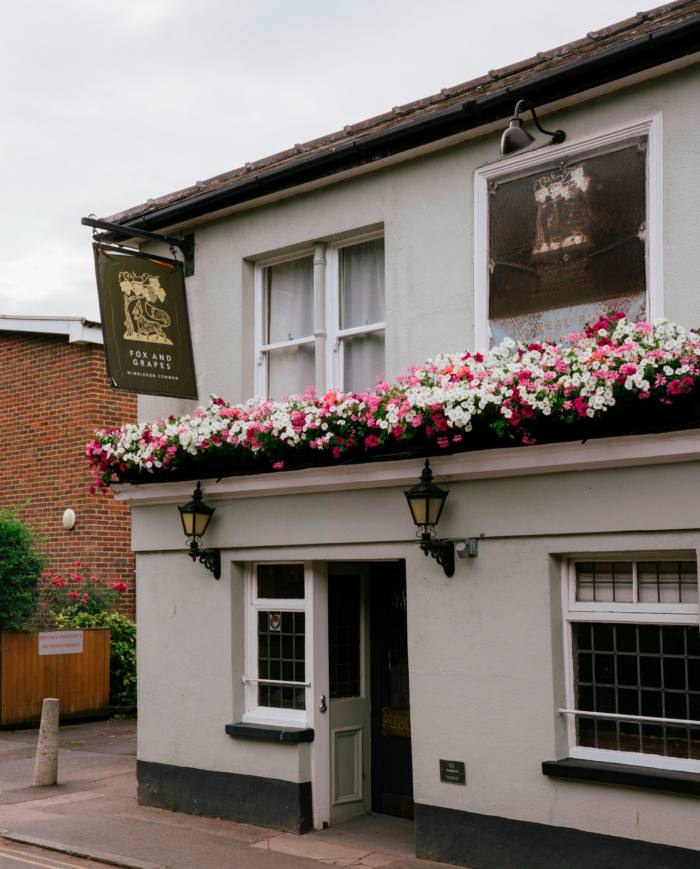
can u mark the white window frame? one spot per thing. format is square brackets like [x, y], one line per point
[256, 714]
[262, 348]
[520, 164]
[617, 612]
[335, 347]
[327, 336]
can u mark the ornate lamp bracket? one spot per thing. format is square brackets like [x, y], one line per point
[443, 551]
[210, 558]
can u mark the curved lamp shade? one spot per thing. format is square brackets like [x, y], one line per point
[515, 138]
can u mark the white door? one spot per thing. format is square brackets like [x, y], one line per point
[349, 701]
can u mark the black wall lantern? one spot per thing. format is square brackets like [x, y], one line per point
[515, 138]
[195, 517]
[426, 501]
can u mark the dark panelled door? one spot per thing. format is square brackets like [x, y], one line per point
[392, 774]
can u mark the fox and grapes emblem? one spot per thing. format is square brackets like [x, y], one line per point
[143, 319]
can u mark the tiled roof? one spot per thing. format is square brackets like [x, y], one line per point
[595, 42]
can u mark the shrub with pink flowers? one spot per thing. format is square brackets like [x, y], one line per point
[76, 591]
[614, 377]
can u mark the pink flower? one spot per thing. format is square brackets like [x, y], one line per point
[84, 598]
[443, 442]
[675, 387]
[371, 441]
[628, 368]
[278, 465]
[119, 587]
[580, 406]
[73, 595]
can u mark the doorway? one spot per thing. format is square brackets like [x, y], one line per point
[369, 704]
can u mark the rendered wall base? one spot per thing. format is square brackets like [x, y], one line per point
[245, 798]
[487, 842]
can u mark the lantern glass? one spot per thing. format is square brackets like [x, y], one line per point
[187, 517]
[195, 515]
[435, 504]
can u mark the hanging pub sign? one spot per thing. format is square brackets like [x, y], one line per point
[146, 329]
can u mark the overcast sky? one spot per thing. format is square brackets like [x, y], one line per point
[105, 105]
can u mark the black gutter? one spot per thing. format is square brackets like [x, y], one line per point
[653, 49]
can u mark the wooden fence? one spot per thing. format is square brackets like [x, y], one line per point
[79, 680]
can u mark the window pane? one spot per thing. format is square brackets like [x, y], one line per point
[290, 371]
[667, 582]
[605, 581]
[658, 681]
[281, 656]
[567, 243]
[362, 284]
[363, 361]
[290, 300]
[344, 636]
[281, 580]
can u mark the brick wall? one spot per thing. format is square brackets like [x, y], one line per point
[53, 394]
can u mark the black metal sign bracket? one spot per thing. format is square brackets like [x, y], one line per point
[185, 244]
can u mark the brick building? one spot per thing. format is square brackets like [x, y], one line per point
[54, 391]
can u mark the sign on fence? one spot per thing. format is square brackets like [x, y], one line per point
[61, 643]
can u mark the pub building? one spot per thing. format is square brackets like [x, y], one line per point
[523, 677]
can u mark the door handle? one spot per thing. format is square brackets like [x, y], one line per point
[322, 706]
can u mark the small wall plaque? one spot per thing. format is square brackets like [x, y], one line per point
[61, 643]
[453, 772]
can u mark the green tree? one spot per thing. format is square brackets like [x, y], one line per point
[20, 567]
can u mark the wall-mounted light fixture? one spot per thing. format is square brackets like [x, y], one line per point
[515, 138]
[426, 501]
[195, 516]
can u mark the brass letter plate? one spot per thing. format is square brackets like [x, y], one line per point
[396, 722]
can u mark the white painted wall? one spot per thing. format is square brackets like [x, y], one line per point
[485, 646]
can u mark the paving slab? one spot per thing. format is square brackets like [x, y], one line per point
[94, 813]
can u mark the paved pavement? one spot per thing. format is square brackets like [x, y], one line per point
[92, 813]
[14, 855]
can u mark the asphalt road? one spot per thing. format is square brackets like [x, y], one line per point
[16, 856]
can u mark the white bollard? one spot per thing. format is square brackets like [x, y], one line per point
[46, 763]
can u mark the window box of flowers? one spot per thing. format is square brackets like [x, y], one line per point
[614, 378]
